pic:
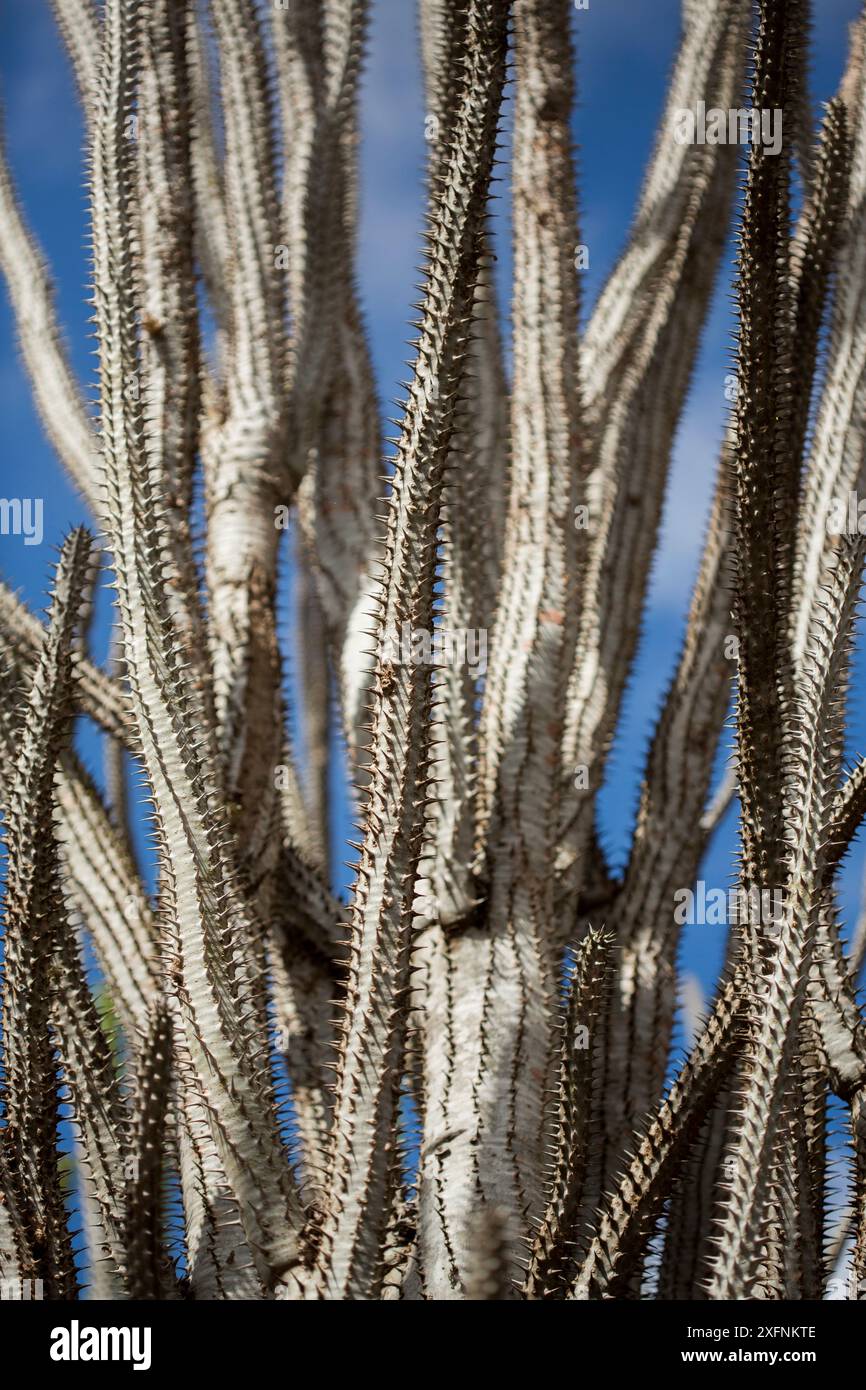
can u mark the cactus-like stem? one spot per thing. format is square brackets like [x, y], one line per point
[746, 1262]
[665, 855]
[55, 390]
[459, 1085]
[149, 1271]
[362, 1170]
[209, 936]
[167, 297]
[245, 457]
[211, 229]
[637, 376]
[490, 1051]
[21, 636]
[857, 1275]
[35, 935]
[552, 1261]
[837, 461]
[626, 1216]
[79, 25]
[334, 432]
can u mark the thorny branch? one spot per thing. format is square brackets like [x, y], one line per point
[491, 983]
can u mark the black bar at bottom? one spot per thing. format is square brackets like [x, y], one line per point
[269, 1342]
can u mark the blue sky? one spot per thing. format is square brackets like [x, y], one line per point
[625, 51]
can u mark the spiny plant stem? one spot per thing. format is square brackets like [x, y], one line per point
[460, 1084]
